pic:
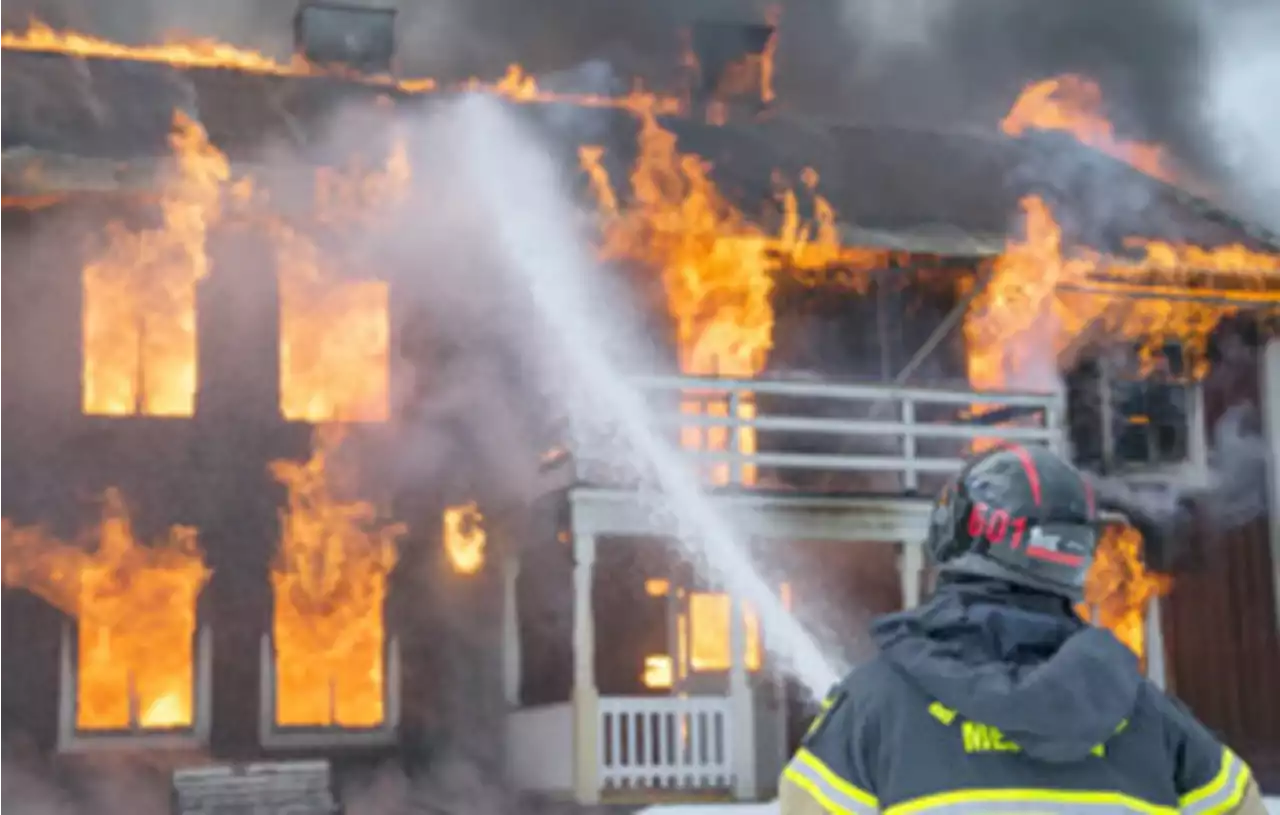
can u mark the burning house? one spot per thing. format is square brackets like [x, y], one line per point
[206, 553]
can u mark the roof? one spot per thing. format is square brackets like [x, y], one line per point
[94, 123]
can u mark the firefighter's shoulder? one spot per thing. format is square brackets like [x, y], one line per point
[1208, 775]
[835, 768]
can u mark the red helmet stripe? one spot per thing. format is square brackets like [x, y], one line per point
[1029, 466]
[1053, 556]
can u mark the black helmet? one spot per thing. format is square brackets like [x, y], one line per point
[1022, 515]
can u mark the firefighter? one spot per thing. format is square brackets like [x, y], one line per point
[994, 696]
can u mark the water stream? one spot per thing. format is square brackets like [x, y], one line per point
[535, 236]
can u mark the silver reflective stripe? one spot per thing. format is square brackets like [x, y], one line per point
[1221, 794]
[1029, 802]
[834, 793]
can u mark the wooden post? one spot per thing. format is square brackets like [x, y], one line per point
[1154, 639]
[910, 567]
[510, 631]
[742, 712]
[586, 698]
[1270, 376]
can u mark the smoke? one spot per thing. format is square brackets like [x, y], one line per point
[1178, 517]
[884, 30]
[1242, 70]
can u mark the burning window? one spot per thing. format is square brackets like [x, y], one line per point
[703, 636]
[329, 581]
[139, 320]
[333, 350]
[464, 538]
[334, 330]
[709, 639]
[135, 610]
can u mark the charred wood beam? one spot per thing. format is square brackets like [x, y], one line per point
[1242, 299]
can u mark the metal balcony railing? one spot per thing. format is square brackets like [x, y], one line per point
[832, 437]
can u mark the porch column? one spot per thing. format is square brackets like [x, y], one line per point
[510, 631]
[910, 568]
[586, 698]
[1153, 637]
[1270, 382]
[742, 712]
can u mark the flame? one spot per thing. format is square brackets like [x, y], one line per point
[195, 53]
[135, 608]
[334, 332]
[709, 633]
[139, 292]
[718, 269]
[329, 581]
[659, 672]
[210, 53]
[704, 642]
[1073, 104]
[1039, 299]
[1120, 590]
[464, 538]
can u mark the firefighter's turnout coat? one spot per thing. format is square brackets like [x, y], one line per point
[989, 699]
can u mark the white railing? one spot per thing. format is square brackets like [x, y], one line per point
[744, 432]
[650, 742]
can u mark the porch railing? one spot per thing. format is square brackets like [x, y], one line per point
[665, 743]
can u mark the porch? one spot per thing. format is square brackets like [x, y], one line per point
[881, 454]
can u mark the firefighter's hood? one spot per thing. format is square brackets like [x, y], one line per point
[1017, 661]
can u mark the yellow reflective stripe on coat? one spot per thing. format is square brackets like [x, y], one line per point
[835, 794]
[1223, 793]
[1030, 802]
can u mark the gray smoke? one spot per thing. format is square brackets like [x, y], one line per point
[1239, 113]
[1185, 510]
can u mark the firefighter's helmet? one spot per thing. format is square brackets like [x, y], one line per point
[1022, 515]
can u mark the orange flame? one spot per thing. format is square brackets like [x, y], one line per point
[139, 292]
[1039, 298]
[718, 267]
[209, 53]
[1030, 311]
[195, 53]
[1120, 589]
[464, 538]
[1074, 104]
[334, 332]
[329, 580]
[135, 608]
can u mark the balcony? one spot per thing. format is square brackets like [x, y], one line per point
[812, 460]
